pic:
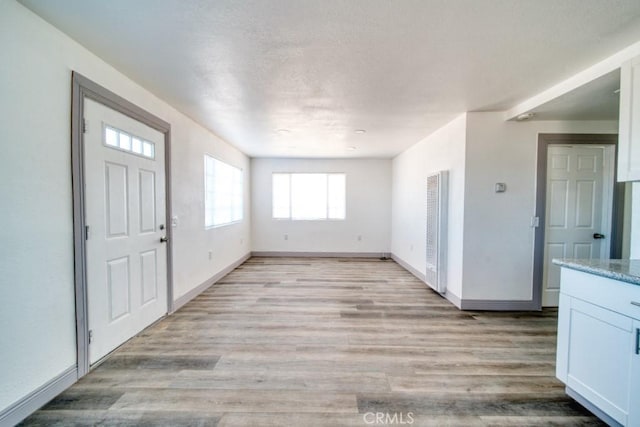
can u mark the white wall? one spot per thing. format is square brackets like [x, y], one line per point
[491, 241]
[192, 242]
[37, 319]
[368, 209]
[442, 150]
[499, 239]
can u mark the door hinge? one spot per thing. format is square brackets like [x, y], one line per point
[85, 126]
[86, 232]
[90, 336]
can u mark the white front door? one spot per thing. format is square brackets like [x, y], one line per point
[125, 217]
[578, 209]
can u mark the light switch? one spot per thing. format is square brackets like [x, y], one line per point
[174, 221]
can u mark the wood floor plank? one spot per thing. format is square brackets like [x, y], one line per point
[483, 384]
[284, 379]
[326, 342]
[104, 418]
[470, 404]
[254, 400]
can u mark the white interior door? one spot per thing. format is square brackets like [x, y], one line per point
[125, 217]
[578, 209]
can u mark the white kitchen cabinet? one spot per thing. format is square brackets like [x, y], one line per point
[598, 340]
[629, 132]
[634, 413]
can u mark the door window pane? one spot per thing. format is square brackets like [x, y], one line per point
[111, 137]
[125, 141]
[115, 138]
[136, 145]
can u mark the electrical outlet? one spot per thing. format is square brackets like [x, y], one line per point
[359, 238]
[286, 237]
[210, 255]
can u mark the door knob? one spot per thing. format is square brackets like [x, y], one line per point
[598, 236]
[164, 239]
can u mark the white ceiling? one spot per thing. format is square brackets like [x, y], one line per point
[322, 69]
[596, 100]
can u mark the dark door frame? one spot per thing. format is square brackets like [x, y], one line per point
[617, 212]
[83, 88]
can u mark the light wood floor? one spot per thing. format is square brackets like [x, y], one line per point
[326, 342]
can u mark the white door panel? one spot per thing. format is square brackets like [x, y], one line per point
[146, 195]
[125, 213]
[118, 286]
[554, 250]
[116, 196]
[559, 197]
[578, 205]
[585, 212]
[149, 277]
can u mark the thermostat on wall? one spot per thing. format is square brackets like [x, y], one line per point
[501, 187]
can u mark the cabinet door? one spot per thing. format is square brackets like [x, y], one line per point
[634, 395]
[601, 345]
[629, 136]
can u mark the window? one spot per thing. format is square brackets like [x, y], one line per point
[309, 196]
[223, 198]
[120, 140]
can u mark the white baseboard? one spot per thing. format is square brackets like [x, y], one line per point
[320, 254]
[38, 398]
[498, 305]
[453, 299]
[179, 302]
[409, 268]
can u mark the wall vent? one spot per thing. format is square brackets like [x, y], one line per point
[436, 272]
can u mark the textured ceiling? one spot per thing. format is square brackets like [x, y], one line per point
[322, 69]
[597, 100]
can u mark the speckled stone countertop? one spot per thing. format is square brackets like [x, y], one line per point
[624, 270]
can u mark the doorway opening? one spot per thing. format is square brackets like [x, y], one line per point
[121, 204]
[579, 206]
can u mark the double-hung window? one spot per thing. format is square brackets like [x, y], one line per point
[309, 196]
[223, 199]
